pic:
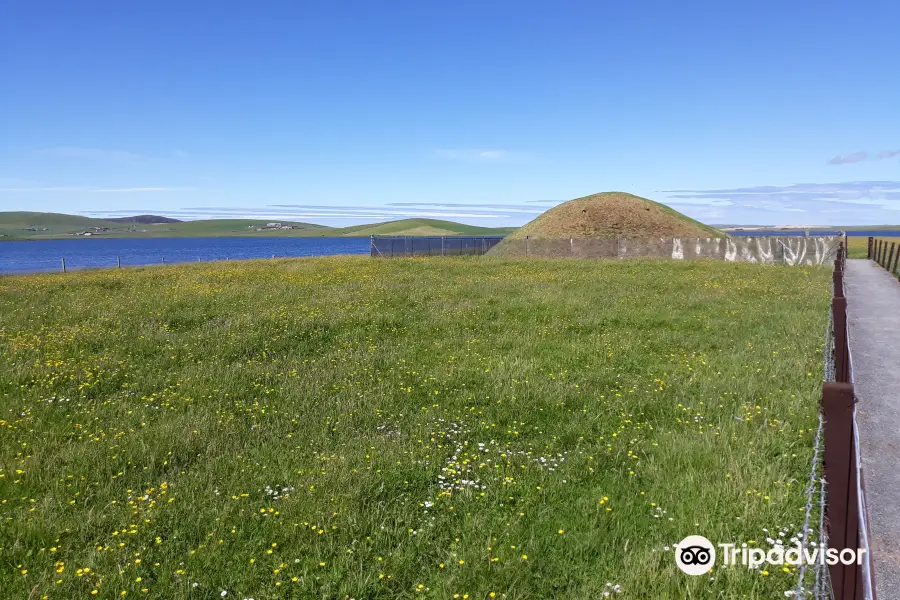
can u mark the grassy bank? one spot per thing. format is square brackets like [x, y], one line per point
[431, 428]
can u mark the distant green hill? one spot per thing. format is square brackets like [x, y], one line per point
[46, 225]
[36, 226]
[414, 227]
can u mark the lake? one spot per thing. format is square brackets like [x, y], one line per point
[47, 255]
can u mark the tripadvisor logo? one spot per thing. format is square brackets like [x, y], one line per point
[696, 555]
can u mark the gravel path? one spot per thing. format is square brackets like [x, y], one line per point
[873, 302]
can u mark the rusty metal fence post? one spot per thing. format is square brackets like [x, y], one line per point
[841, 511]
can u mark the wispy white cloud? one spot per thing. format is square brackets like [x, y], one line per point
[845, 159]
[58, 188]
[855, 157]
[94, 190]
[314, 212]
[494, 155]
[140, 189]
[119, 157]
[845, 203]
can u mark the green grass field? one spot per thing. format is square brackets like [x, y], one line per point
[857, 246]
[429, 428]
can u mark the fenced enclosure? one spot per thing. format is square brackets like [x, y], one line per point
[450, 245]
[788, 250]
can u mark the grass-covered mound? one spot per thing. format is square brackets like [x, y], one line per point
[606, 215]
[402, 429]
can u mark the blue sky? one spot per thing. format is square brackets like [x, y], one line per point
[342, 112]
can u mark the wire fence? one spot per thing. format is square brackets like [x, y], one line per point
[449, 245]
[813, 534]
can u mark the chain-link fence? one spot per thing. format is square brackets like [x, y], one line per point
[450, 245]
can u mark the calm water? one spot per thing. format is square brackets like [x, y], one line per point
[46, 255]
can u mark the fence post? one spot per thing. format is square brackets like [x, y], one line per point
[841, 352]
[443, 252]
[526, 245]
[869, 254]
[64, 265]
[894, 268]
[837, 278]
[119, 262]
[887, 265]
[840, 473]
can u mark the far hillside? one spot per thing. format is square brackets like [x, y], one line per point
[37, 226]
[144, 219]
[47, 225]
[414, 227]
